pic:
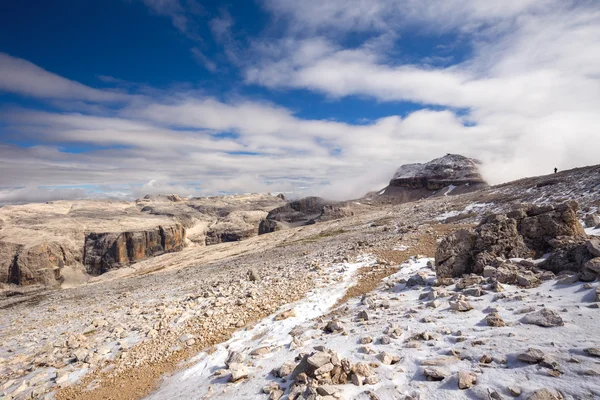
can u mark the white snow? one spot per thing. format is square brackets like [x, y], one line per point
[449, 190]
[406, 311]
[196, 381]
[477, 207]
[382, 192]
[593, 231]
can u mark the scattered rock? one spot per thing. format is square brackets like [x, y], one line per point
[593, 246]
[238, 371]
[388, 359]
[494, 319]
[531, 356]
[466, 379]
[435, 374]
[327, 390]
[593, 351]
[514, 391]
[319, 359]
[366, 340]
[285, 315]
[253, 275]
[461, 305]
[543, 394]
[334, 326]
[544, 317]
[286, 369]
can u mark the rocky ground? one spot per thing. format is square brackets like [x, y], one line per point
[331, 309]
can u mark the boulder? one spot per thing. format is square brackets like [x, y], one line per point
[494, 319]
[593, 246]
[38, 263]
[591, 220]
[466, 379]
[435, 374]
[531, 356]
[522, 233]
[544, 317]
[238, 372]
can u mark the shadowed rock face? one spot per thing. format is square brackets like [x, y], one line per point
[106, 251]
[522, 233]
[300, 212]
[37, 264]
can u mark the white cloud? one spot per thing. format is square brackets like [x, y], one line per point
[531, 86]
[530, 89]
[180, 13]
[24, 78]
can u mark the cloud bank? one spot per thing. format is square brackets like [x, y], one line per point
[523, 98]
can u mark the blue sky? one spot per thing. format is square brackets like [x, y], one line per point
[121, 98]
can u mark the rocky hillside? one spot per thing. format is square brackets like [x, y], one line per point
[492, 294]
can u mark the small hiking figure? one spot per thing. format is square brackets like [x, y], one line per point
[555, 170]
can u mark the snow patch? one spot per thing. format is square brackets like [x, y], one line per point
[195, 382]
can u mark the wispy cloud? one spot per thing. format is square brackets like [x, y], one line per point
[181, 13]
[24, 78]
[524, 101]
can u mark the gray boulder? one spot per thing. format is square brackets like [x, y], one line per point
[523, 233]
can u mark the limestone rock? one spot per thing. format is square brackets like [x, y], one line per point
[544, 317]
[334, 326]
[531, 356]
[466, 379]
[520, 234]
[544, 394]
[319, 359]
[451, 169]
[494, 319]
[593, 246]
[238, 371]
[593, 351]
[435, 374]
[593, 265]
[461, 305]
[107, 251]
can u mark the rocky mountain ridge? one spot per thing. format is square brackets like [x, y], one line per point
[66, 242]
[358, 296]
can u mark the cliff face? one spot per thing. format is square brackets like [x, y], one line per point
[106, 251]
[449, 175]
[300, 212]
[452, 169]
[37, 264]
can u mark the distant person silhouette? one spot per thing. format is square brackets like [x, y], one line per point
[555, 170]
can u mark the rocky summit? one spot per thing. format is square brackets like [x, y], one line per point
[450, 174]
[491, 292]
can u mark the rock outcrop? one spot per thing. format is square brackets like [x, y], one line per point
[300, 212]
[110, 250]
[33, 264]
[452, 169]
[523, 233]
[451, 174]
